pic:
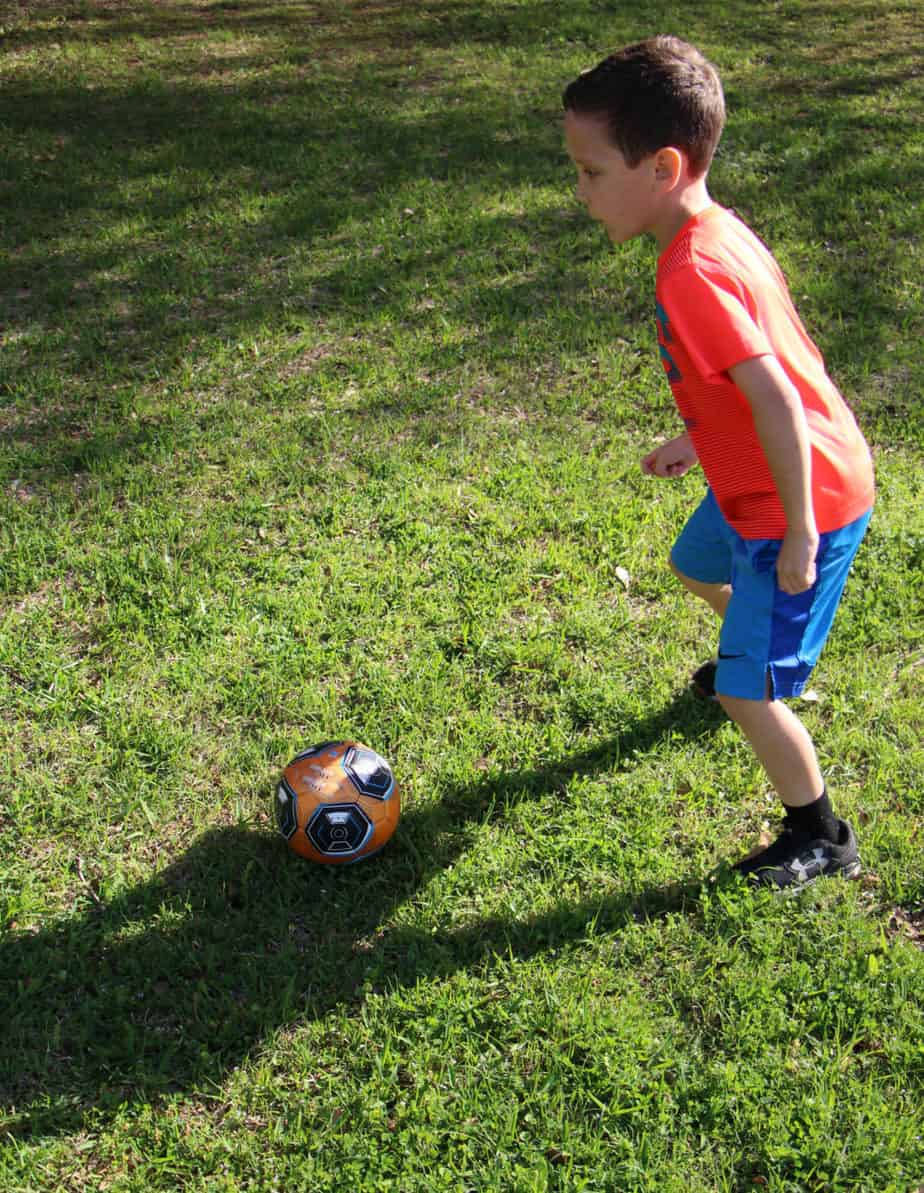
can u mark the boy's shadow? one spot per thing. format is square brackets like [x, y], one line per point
[177, 980]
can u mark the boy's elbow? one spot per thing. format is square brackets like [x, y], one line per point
[765, 385]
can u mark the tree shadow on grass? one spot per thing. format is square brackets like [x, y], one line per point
[94, 316]
[178, 980]
[167, 214]
[382, 24]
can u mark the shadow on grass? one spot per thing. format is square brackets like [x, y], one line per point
[178, 980]
[167, 214]
[381, 24]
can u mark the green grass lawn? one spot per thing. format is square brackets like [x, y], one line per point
[321, 408]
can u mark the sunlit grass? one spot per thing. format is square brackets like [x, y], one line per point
[321, 407]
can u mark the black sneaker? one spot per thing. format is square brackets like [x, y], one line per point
[703, 680]
[793, 860]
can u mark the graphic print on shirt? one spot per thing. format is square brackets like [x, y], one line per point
[665, 338]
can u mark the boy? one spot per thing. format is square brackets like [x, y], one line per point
[789, 473]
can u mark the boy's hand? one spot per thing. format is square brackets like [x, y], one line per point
[795, 564]
[671, 459]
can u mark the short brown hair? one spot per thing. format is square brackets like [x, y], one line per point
[653, 94]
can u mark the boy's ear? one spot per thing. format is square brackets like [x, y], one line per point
[669, 164]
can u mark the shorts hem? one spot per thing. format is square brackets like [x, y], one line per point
[747, 679]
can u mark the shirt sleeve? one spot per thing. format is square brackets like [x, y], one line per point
[710, 315]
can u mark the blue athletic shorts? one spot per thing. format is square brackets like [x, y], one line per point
[767, 633]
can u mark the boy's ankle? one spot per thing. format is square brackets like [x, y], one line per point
[816, 820]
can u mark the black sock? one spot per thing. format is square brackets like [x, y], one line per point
[815, 820]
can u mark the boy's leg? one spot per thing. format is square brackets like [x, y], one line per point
[782, 745]
[701, 559]
[768, 646]
[813, 840]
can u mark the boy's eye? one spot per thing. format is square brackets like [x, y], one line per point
[590, 173]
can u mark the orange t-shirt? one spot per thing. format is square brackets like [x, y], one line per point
[722, 299]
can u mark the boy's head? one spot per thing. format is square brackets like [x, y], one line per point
[655, 94]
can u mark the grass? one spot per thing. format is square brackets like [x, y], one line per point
[321, 407]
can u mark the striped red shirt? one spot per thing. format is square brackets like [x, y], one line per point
[722, 299]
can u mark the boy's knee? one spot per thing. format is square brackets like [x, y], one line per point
[743, 710]
[731, 705]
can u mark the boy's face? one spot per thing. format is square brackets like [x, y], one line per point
[624, 200]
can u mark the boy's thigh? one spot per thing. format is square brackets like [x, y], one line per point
[770, 634]
[703, 550]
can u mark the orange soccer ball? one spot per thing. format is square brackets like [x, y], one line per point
[337, 803]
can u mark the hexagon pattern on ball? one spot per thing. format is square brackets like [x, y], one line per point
[337, 803]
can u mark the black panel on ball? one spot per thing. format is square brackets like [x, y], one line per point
[339, 828]
[286, 810]
[369, 774]
[313, 751]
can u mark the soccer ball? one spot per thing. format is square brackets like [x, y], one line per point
[337, 803]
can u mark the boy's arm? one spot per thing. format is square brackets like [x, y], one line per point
[779, 419]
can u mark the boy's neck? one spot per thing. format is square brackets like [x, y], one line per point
[680, 205]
